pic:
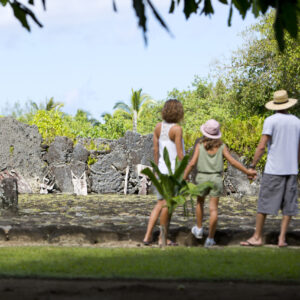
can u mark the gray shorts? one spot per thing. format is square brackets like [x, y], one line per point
[278, 192]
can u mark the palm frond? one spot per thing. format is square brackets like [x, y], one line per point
[122, 106]
[106, 114]
[123, 113]
[145, 103]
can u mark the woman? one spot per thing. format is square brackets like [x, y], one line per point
[167, 133]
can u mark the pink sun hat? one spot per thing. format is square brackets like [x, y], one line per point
[211, 129]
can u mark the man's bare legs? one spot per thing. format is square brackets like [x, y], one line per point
[213, 216]
[153, 218]
[199, 211]
[256, 239]
[284, 225]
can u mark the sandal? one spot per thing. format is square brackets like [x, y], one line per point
[169, 244]
[249, 244]
[172, 244]
[147, 243]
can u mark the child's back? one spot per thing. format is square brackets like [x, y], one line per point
[210, 162]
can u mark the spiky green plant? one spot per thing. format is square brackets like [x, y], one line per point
[174, 189]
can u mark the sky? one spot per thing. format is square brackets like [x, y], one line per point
[89, 57]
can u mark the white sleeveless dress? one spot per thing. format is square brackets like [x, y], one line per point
[165, 141]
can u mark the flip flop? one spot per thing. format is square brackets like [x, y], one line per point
[249, 244]
[284, 245]
[146, 243]
[172, 244]
[169, 244]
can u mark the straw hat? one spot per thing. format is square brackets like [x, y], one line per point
[211, 129]
[281, 101]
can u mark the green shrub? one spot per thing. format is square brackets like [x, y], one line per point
[242, 136]
[51, 124]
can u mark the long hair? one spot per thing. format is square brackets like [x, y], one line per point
[211, 143]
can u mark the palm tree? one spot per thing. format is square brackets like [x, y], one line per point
[138, 102]
[48, 105]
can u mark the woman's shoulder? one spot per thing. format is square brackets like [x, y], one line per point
[176, 129]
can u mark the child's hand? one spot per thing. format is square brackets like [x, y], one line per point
[251, 174]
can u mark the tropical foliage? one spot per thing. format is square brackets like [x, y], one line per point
[174, 189]
[138, 102]
[286, 17]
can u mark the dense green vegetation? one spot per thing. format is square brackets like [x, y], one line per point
[235, 96]
[230, 263]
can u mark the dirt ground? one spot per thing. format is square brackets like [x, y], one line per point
[48, 289]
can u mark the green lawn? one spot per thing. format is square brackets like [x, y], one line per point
[231, 263]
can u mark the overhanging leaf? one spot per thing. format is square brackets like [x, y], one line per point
[242, 6]
[190, 6]
[207, 9]
[255, 8]
[157, 16]
[230, 15]
[114, 6]
[139, 8]
[21, 12]
[172, 7]
[278, 28]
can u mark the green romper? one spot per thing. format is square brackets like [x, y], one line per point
[210, 168]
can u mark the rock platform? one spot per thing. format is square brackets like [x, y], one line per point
[99, 219]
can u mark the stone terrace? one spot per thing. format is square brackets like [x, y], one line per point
[99, 219]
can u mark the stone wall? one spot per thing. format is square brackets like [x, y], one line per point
[23, 156]
[20, 150]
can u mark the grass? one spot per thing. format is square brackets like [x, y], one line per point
[232, 263]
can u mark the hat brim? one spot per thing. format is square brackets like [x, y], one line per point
[214, 137]
[273, 106]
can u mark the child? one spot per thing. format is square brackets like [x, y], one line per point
[208, 156]
[166, 134]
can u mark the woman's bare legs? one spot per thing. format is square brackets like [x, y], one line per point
[213, 216]
[164, 220]
[199, 211]
[153, 218]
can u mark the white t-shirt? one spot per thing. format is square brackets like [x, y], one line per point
[284, 130]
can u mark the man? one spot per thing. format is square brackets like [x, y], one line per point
[278, 190]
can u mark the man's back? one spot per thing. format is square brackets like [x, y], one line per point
[284, 130]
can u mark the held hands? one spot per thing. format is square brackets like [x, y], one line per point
[251, 173]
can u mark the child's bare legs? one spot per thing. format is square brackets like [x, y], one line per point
[213, 216]
[153, 218]
[199, 211]
[284, 225]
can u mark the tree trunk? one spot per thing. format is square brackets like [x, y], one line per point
[134, 121]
